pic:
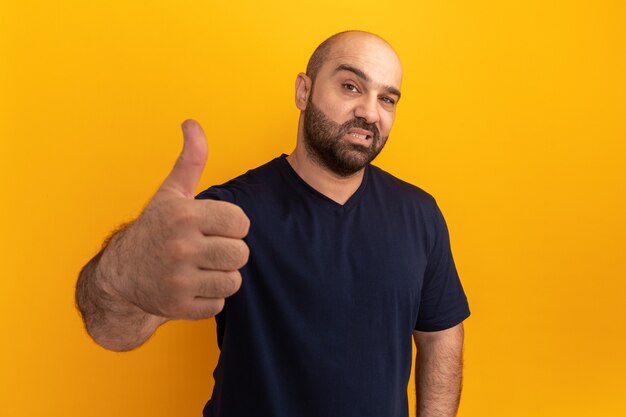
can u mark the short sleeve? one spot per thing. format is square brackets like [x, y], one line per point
[443, 303]
[217, 193]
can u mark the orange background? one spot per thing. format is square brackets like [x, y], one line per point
[513, 116]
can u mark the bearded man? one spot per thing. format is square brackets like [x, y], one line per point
[319, 267]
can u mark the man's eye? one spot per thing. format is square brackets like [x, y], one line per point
[388, 100]
[350, 87]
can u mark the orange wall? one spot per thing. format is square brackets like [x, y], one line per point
[513, 116]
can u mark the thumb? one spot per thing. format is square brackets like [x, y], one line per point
[188, 168]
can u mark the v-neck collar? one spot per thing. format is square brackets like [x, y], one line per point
[292, 176]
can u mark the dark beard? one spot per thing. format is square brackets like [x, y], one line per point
[323, 140]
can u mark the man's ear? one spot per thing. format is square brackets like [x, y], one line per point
[303, 89]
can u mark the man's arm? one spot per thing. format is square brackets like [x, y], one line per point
[178, 260]
[438, 371]
[111, 321]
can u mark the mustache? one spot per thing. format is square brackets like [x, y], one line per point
[361, 124]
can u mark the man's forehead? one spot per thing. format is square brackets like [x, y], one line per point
[368, 53]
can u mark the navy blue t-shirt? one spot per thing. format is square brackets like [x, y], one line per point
[331, 294]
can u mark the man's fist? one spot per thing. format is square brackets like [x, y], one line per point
[180, 258]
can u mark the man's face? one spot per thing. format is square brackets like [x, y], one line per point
[351, 108]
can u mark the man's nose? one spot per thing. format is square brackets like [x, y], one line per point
[367, 109]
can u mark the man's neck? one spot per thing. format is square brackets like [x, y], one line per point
[333, 186]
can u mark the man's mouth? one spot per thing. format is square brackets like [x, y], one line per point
[360, 134]
[356, 135]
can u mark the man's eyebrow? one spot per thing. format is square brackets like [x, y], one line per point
[359, 73]
[392, 90]
[355, 70]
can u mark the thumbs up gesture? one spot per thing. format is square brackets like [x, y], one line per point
[180, 258]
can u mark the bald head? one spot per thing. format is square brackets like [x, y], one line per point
[341, 41]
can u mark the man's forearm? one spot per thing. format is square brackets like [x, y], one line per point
[438, 372]
[110, 320]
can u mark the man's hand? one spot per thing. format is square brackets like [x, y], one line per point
[178, 260]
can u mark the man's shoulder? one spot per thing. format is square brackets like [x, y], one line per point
[252, 181]
[395, 188]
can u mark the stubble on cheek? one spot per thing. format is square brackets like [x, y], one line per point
[327, 145]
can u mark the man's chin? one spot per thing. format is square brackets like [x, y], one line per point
[353, 161]
[359, 154]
